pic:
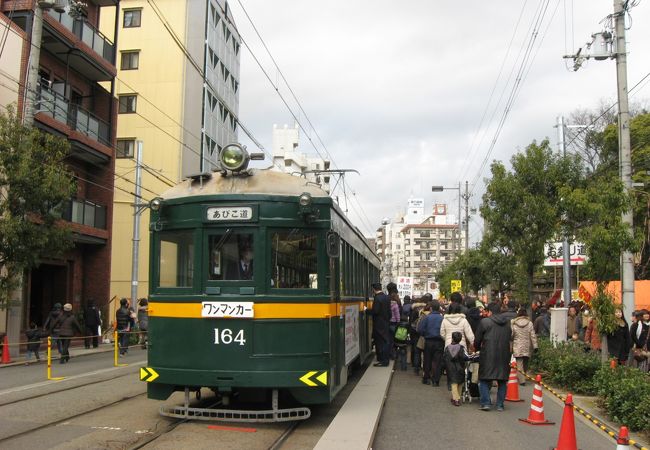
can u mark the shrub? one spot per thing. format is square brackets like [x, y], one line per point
[568, 366]
[625, 394]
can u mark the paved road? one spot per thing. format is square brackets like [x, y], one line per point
[420, 416]
[21, 375]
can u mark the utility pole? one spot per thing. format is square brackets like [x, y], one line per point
[601, 51]
[625, 157]
[466, 196]
[566, 256]
[137, 212]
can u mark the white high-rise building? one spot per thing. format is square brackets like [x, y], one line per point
[417, 249]
[286, 157]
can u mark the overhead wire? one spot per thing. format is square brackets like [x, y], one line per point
[293, 114]
[467, 162]
[76, 169]
[526, 60]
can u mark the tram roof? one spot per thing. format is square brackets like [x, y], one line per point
[261, 181]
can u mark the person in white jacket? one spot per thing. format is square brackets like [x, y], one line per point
[455, 321]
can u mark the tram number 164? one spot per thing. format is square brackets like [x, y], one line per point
[226, 336]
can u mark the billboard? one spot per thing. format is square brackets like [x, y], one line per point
[553, 252]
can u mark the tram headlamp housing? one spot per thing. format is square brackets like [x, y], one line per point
[155, 204]
[307, 210]
[234, 157]
[305, 199]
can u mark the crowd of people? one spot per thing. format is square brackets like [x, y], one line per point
[62, 325]
[475, 343]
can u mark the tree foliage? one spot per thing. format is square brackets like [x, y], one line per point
[523, 208]
[34, 185]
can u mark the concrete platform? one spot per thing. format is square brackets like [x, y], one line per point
[355, 425]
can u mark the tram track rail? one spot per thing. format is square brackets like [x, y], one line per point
[70, 388]
[68, 417]
[277, 444]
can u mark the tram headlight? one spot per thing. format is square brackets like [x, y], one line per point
[305, 199]
[155, 204]
[306, 208]
[234, 157]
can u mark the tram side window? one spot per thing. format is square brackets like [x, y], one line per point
[294, 259]
[231, 256]
[176, 259]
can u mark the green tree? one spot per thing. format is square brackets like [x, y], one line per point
[521, 207]
[34, 184]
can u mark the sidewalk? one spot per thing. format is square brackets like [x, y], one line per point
[74, 352]
[421, 416]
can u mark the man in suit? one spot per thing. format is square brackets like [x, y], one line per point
[243, 268]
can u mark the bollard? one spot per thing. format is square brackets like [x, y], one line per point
[115, 352]
[49, 361]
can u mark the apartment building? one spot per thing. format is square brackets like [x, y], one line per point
[178, 90]
[72, 99]
[417, 250]
[288, 158]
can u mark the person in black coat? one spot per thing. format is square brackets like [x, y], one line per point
[91, 323]
[381, 325]
[67, 324]
[123, 322]
[454, 357]
[492, 339]
[473, 315]
[619, 343]
[49, 327]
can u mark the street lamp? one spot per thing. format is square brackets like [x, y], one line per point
[443, 188]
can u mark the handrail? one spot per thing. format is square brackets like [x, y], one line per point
[58, 107]
[102, 46]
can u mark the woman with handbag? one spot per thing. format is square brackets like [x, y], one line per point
[639, 334]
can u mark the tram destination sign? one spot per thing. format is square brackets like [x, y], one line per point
[229, 213]
[241, 310]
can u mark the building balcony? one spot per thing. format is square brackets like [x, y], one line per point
[85, 212]
[55, 105]
[80, 45]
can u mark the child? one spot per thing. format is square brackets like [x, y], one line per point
[455, 356]
[33, 335]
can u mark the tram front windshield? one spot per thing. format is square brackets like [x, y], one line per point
[231, 256]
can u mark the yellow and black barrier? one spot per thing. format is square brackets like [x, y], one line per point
[49, 361]
[599, 423]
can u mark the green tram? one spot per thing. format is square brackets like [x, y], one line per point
[259, 290]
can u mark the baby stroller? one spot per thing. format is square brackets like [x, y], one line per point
[401, 340]
[466, 394]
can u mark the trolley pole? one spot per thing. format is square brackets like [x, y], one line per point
[625, 157]
[137, 212]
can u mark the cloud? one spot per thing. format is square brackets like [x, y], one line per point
[397, 90]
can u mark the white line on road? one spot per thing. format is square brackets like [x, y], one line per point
[73, 377]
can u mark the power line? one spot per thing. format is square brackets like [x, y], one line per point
[284, 101]
[526, 60]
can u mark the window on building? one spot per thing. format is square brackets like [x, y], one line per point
[130, 60]
[127, 103]
[132, 18]
[125, 148]
[287, 163]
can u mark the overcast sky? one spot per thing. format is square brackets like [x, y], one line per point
[397, 90]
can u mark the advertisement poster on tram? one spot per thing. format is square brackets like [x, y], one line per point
[405, 286]
[351, 333]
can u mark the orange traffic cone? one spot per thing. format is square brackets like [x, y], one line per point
[536, 414]
[623, 439]
[512, 394]
[567, 438]
[6, 358]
